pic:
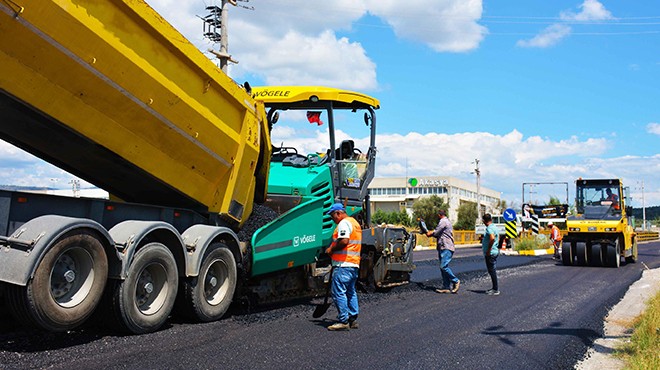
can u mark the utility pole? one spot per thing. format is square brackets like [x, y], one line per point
[216, 21]
[75, 187]
[478, 173]
[643, 208]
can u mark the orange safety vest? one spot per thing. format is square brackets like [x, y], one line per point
[615, 201]
[351, 253]
[555, 233]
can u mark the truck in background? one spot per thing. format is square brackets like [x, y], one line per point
[500, 223]
[203, 208]
[601, 232]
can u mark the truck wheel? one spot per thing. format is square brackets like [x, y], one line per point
[633, 257]
[144, 300]
[568, 254]
[67, 284]
[613, 256]
[597, 254]
[581, 253]
[208, 296]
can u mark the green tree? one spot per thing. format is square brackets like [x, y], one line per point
[501, 206]
[467, 216]
[379, 217]
[554, 201]
[402, 218]
[427, 209]
[393, 218]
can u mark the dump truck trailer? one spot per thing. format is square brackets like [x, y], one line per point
[113, 94]
[601, 232]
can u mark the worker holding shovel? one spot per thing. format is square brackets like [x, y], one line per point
[345, 254]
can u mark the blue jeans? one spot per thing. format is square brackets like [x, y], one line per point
[344, 294]
[491, 266]
[448, 277]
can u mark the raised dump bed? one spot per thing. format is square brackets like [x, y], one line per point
[126, 103]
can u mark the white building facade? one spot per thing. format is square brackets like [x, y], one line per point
[393, 194]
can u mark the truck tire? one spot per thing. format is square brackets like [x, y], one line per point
[145, 299]
[67, 285]
[597, 255]
[613, 256]
[568, 254]
[207, 297]
[581, 253]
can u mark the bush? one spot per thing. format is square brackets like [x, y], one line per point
[530, 242]
[392, 218]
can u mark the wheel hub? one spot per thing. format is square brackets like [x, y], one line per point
[63, 276]
[213, 282]
[145, 288]
[70, 276]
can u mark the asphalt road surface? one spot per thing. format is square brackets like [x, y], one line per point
[546, 318]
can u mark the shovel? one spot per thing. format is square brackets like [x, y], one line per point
[321, 309]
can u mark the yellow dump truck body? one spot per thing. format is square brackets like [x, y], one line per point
[158, 122]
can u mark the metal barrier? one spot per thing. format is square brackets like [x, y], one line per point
[465, 237]
[643, 236]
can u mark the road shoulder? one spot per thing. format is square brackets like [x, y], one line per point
[618, 321]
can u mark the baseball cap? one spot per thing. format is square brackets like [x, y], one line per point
[550, 223]
[335, 207]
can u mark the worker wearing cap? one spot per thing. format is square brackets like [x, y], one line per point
[444, 233]
[555, 237]
[345, 254]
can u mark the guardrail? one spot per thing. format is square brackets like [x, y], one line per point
[469, 237]
[465, 237]
[643, 236]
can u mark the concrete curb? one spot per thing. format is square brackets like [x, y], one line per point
[532, 252]
[600, 355]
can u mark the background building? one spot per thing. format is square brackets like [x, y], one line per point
[393, 194]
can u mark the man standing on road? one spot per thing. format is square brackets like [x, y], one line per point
[555, 237]
[489, 245]
[444, 233]
[345, 254]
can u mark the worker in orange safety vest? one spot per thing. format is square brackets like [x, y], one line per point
[613, 198]
[555, 237]
[345, 254]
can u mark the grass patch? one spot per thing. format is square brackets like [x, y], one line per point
[643, 350]
[528, 243]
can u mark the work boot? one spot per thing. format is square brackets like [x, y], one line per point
[457, 284]
[339, 326]
[493, 292]
[443, 291]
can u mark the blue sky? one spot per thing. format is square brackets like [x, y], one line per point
[538, 91]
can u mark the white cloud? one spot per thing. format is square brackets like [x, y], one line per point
[653, 128]
[548, 37]
[506, 161]
[296, 42]
[445, 26]
[324, 59]
[592, 10]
